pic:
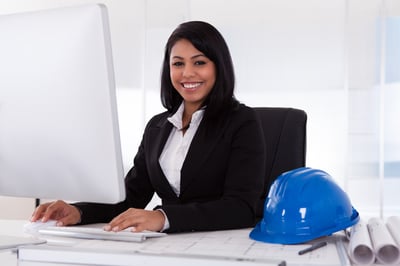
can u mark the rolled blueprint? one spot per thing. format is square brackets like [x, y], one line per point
[386, 250]
[360, 246]
[393, 225]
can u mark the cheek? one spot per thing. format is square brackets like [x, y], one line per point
[211, 75]
[211, 78]
[174, 76]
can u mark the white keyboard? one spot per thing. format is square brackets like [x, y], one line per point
[98, 233]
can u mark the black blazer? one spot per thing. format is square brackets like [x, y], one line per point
[221, 178]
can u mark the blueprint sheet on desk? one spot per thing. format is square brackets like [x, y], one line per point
[228, 244]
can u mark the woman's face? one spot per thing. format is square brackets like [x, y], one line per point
[192, 73]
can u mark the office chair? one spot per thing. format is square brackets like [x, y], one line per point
[285, 141]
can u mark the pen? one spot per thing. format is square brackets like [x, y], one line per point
[313, 247]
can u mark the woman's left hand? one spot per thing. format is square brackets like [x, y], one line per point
[138, 219]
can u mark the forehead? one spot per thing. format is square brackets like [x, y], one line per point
[184, 48]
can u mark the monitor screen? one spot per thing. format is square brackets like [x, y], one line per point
[59, 135]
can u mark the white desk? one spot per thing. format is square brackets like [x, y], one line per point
[220, 248]
[12, 228]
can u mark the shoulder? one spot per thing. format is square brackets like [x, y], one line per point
[242, 108]
[240, 118]
[243, 112]
[234, 117]
[158, 120]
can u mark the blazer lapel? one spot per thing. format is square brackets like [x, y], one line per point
[159, 136]
[202, 145]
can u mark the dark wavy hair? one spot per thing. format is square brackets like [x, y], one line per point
[208, 40]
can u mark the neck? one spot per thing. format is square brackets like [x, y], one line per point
[189, 109]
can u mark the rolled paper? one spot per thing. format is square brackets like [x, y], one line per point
[360, 246]
[385, 247]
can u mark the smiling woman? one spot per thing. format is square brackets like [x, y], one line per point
[209, 175]
[286, 53]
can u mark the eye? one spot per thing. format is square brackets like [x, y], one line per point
[177, 64]
[199, 63]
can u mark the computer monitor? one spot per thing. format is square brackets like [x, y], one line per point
[59, 135]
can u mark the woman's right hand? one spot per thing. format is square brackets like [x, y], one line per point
[62, 212]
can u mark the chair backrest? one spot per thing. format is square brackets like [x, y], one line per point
[285, 140]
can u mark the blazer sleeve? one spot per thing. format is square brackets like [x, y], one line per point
[139, 192]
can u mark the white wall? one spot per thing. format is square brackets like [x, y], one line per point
[320, 56]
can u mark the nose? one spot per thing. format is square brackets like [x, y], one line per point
[188, 71]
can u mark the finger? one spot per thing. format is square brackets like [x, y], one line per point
[123, 224]
[122, 217]
[54, 211]
[49, 212]
[126, 219]
[114, 225]
[138, 228]
[38, 212]
[73, 216]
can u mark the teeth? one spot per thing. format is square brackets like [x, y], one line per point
[191, 85]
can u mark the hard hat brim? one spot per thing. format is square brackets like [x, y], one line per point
[278, 238]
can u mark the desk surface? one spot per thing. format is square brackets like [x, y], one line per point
[230, 248]
[12, 228]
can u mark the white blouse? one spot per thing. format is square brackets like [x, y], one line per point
[177, 146]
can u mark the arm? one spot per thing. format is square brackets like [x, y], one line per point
[139, 192]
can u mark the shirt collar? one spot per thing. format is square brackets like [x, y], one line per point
[176, 119]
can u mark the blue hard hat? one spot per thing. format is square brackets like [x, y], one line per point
[304, 204]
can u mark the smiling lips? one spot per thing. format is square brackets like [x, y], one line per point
[191, 86]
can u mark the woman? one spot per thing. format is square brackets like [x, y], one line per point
[204, 156]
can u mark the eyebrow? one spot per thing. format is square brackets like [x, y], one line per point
[193, 57]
